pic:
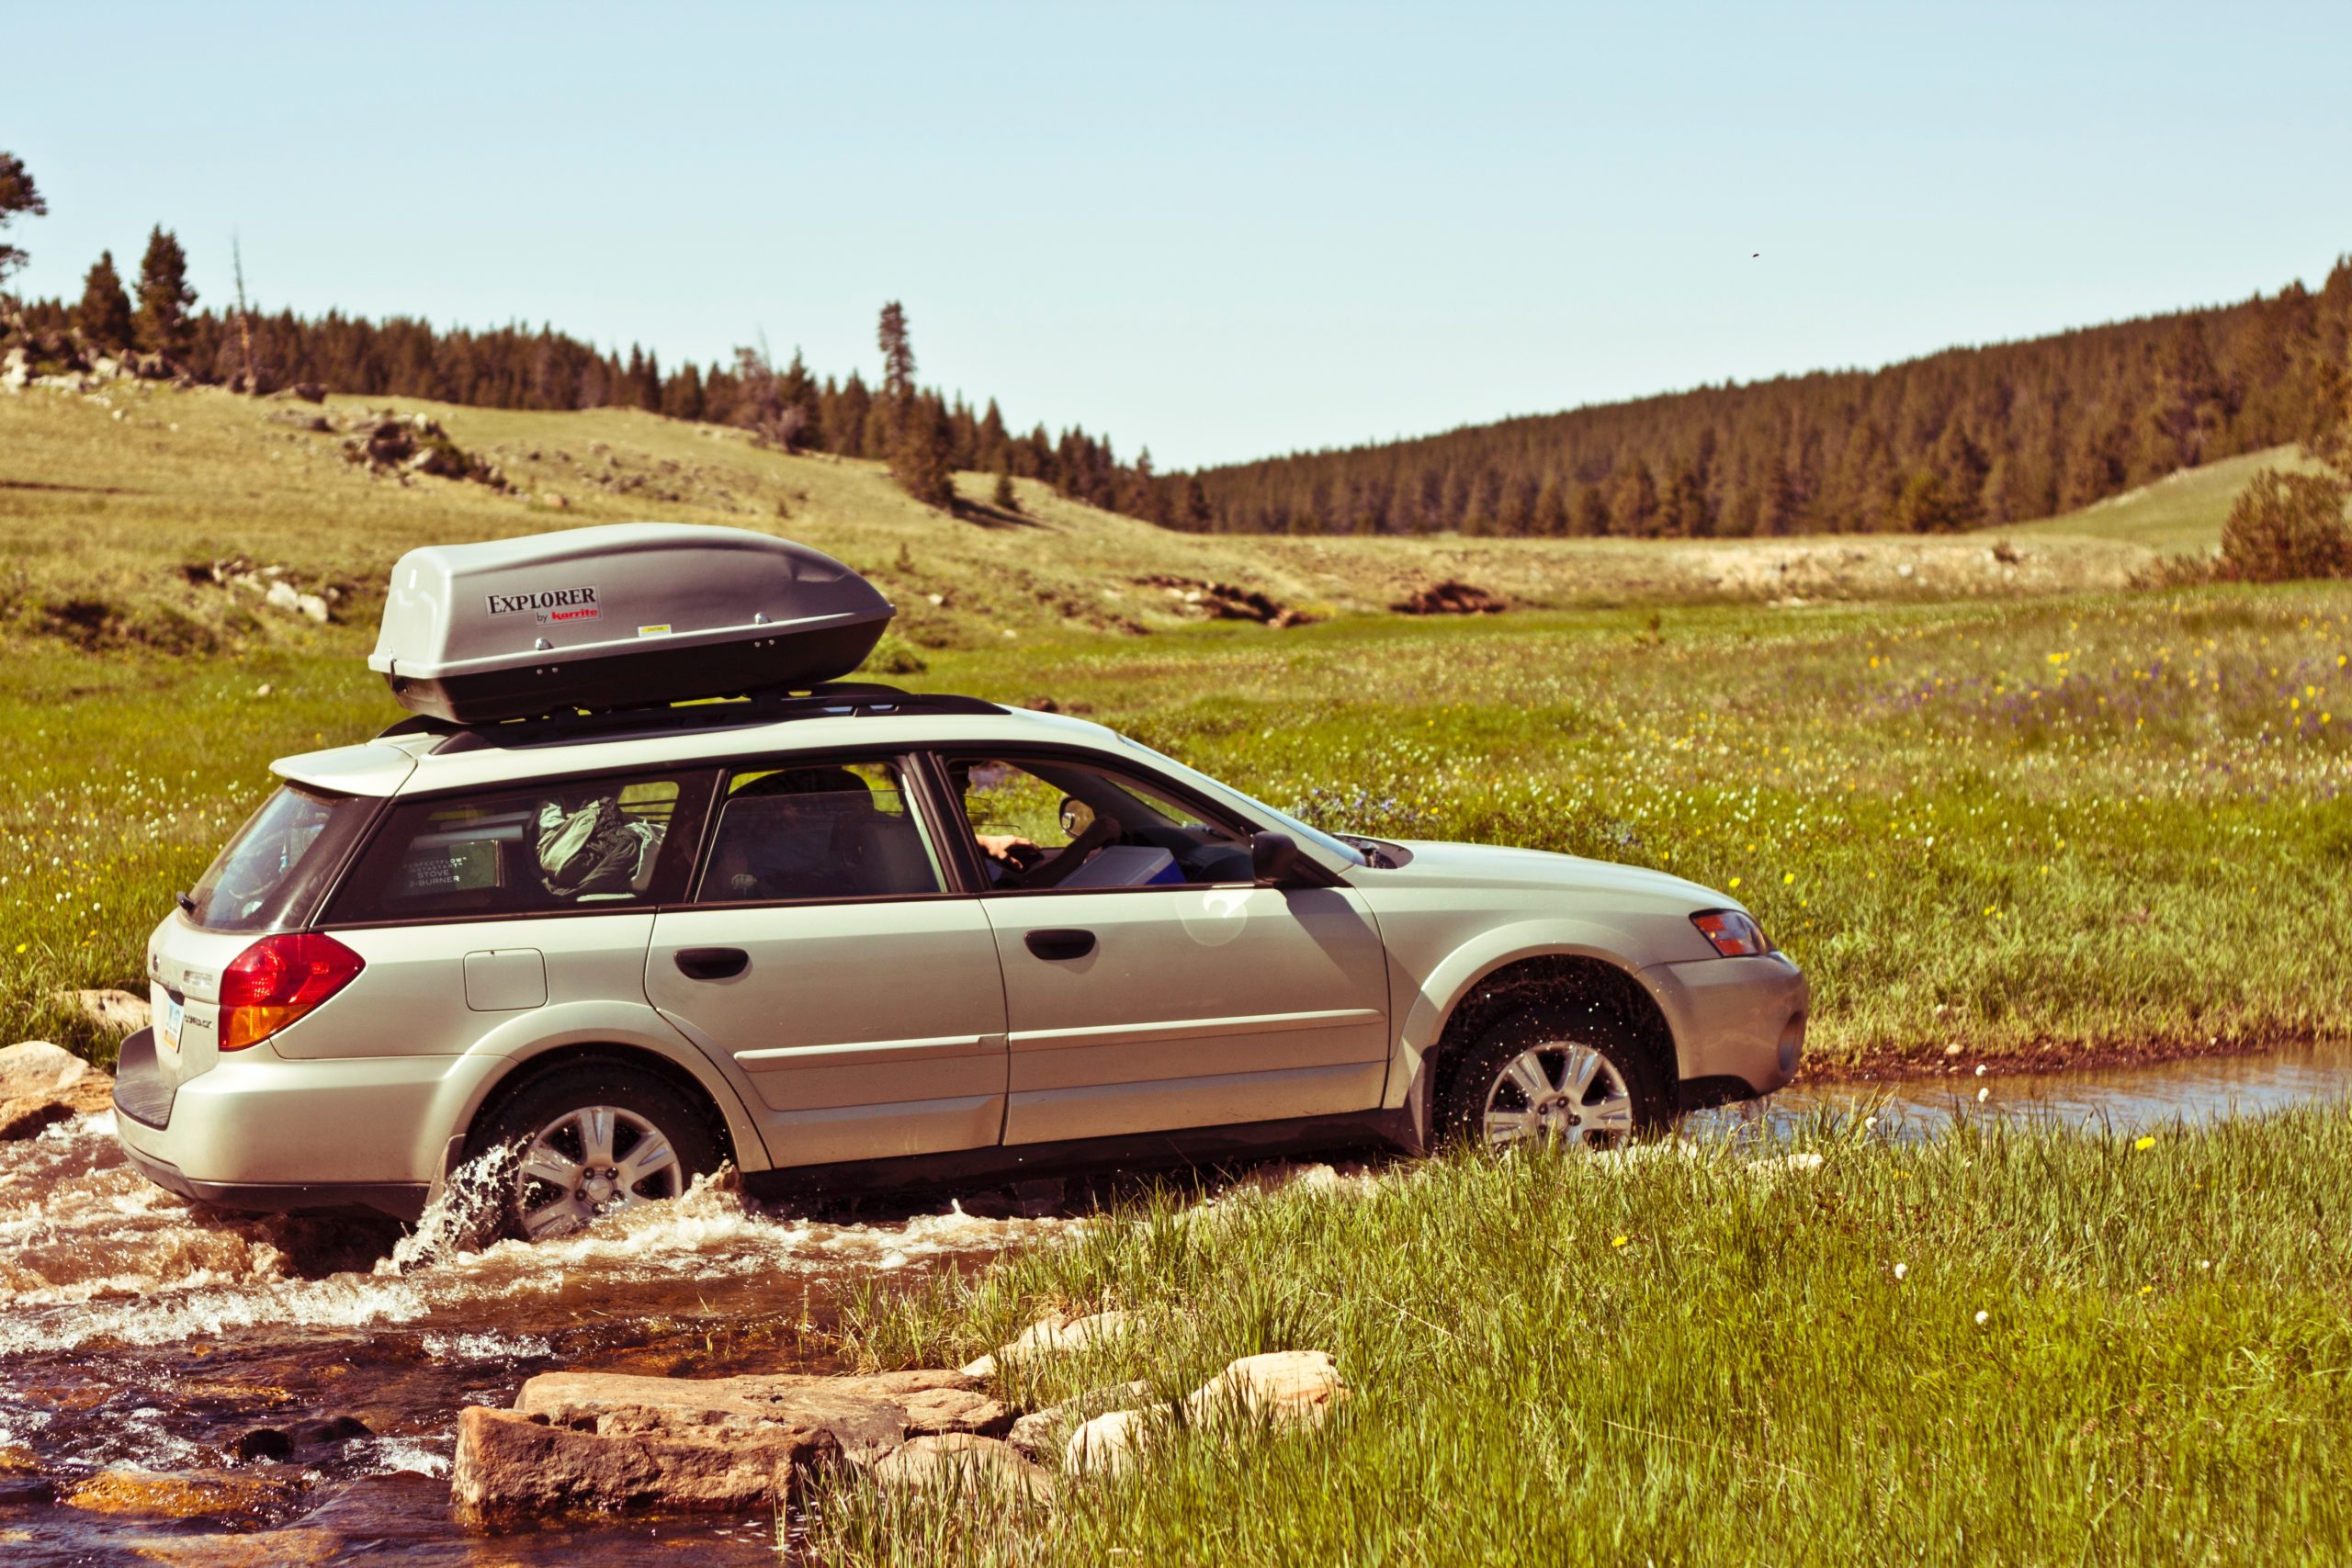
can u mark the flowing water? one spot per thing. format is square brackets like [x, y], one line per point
[149, 1339]
[168, 1374]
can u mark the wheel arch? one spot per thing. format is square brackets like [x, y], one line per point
[632, 1036]
[1484, 988]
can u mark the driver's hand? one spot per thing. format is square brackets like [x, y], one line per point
[1011, 849]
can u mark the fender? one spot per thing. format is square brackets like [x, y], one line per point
[602, 1022]
[1440, 990]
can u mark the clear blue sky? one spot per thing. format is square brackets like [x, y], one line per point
[1222, 231]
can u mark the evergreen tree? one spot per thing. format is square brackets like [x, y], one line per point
[103, 317]
[164, 298]
[1590, 517]
[1636, 508]
[1551, 510]
[1004, 498]
[19, 197]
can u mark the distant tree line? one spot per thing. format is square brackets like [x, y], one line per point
[1957, 439]
[1953, 440]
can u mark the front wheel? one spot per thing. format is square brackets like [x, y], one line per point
[589, 1139]
[1536, 1078]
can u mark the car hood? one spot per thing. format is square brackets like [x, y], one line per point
[1441, 864]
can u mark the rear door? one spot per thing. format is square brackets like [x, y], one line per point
[475, 907]
[826, 964]
[1149, 984]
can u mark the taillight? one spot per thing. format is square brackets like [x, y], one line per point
[1734, 935]
[277, 980]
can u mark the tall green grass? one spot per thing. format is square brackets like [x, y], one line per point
[2115, 822]
[2010, 1344]
[2103, 823]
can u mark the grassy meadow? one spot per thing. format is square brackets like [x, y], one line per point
[2009, 1345]
[2031, 816]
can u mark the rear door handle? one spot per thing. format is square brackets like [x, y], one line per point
[712, 962]
[1060, 943]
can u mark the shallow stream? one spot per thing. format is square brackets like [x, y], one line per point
[144, 1344]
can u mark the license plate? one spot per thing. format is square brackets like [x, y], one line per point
[167, 1027]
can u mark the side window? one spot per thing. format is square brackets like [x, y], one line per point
[815, 831]
[534, 850]
[1039, 824]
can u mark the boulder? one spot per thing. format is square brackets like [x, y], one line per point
[1052, 1336]
[38, 1068]
[621, 1442]
[1289, 1388]
[1045, 1431]
[1106, 1445]
[972, 1467]
[117, 1013]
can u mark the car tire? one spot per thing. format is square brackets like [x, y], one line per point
[1539, 1076]
[586, 1139]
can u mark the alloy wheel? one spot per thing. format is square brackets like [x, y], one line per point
[1558, 1092]
[589, 1162]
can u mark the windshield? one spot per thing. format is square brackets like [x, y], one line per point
[1342, 851]
[279, 854]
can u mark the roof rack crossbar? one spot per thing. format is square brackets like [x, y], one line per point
[841, 699]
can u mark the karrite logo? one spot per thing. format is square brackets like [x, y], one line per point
[550, 604]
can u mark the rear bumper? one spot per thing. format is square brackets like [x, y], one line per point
[1737, 1021]
[401, 1200]
[270, 1134]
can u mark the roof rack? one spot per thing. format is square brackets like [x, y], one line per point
[838, 700]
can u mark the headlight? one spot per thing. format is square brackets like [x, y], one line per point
[1734, 935]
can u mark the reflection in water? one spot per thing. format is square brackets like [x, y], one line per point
[144, 1336]
[2194, 1090]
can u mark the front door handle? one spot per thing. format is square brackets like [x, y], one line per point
[712, 962]
[1060, 943]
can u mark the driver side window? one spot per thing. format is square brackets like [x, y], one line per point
[1038, 825]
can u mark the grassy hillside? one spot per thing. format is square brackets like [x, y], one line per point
[2179, 514]
[104, 498]
[2028, 825]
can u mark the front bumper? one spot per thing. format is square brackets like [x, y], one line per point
[271, 1134]
[1738, 1024]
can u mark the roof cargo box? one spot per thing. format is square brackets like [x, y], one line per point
[625, 615]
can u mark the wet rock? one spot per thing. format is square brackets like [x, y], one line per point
[1045, 1431]
[1051, 1335]
[334, 1431]
[511, 1466]
[1289, 1388]
[261, 1442]
[619, 1442]
[28, 1116]
[970, 1466]
[301, 1547]
[197, 1494]
[117, 1013]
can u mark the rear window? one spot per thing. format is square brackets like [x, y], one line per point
[275, 866]
[585, 844]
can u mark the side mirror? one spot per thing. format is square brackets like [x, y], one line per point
[1077, 817]
[1273, 857]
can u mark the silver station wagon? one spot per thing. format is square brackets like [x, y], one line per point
[853, 935]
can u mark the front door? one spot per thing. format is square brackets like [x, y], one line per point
[824, 965]
[1149, 984]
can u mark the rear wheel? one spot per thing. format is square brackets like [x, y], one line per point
[1536, 1078]
[592, 1138]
